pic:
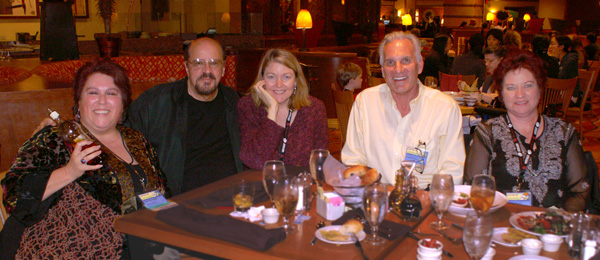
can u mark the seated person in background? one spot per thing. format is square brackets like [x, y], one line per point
[493, 57]
[390, 120]
[494, 37]
[192, 122]
[539, 46]
[279, 120]
[593, 48]
[424, 44]
[471, 63]
[512, 40]
[526, 151]
[437, 60]
[567, 61]
[349, 76]
[577, 46]
[62, 205]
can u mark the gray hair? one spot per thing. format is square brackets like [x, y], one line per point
[401, 36]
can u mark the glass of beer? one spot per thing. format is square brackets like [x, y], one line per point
[483, 191]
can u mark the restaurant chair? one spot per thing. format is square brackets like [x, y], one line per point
[489, 112]
[3, 213]
[594, 96]
[343, 105]
[557, 95]
[449, 82]
[585, 81]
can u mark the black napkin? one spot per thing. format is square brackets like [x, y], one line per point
[387, 229]
[222, 197]
[222, 227]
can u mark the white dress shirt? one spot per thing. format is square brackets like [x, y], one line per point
[378, 135]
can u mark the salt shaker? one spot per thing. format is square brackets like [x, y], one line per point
[579, 224]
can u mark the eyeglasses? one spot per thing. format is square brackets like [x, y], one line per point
[199, 63]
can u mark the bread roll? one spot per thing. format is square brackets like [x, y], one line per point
[351, 226]
[358, 170]
[370, 177]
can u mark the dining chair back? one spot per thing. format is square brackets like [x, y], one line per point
[343, 105]
[585, 81]
[3, 213]
[449, 82]
[557, 95]
[594, 95]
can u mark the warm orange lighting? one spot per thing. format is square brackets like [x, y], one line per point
[226, 18]
[526, 17]
[343, 2]
[490, 16]
[406, 19]
[304, 20]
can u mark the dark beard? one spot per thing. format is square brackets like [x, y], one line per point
[206, 90]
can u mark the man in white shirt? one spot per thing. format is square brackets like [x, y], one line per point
[388, 121]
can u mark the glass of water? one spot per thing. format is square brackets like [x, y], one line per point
[375, 202]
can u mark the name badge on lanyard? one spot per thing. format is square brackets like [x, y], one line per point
[418, 155]
[521, 197]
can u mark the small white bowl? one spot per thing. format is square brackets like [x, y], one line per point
[551, 242]
[489, 255]
[270, 215]
[429, 255]
[531, 246]
[429, 250]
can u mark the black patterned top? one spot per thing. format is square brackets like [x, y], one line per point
[556, 173]
[91, 203]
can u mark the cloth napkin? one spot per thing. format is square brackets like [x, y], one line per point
[222, 227]
[387, 229]
[222, 197]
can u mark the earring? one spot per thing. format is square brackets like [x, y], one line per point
[295, 87]
[77, 116]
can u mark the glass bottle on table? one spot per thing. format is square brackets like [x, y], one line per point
[411, 204]
[402, 185]
[72, 133]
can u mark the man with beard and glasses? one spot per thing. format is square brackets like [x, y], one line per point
[402, 120]
[192, 123]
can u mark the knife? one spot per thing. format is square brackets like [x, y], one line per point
[359, 246]
[457, 226]
[415, 237]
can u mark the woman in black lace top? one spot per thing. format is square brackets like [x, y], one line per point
[526, 151]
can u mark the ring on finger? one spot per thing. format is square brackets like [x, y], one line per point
[83, 161]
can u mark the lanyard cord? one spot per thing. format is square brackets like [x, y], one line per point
[528, 153]
[282, 146]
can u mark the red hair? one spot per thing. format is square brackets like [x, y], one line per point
[516, 59]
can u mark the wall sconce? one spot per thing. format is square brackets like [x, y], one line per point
[526, 17]
[226, 18]
[303, 21]
[490, 16]
[417, 16]
[343, 2]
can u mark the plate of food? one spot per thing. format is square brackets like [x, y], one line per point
[510, 237]
[341, 234]
[541, 222]
[460, 204]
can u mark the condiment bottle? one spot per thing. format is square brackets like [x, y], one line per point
[411, 204]
[72, 133]
[398, 192]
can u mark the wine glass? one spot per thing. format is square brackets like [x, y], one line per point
[271, 170]
[431, 82]
[483, 191]
[441, 193]
[477, 234]
[375, 202]
[285, 194]
[317, 159]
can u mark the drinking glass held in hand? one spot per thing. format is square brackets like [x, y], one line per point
[285, 194]
[316, 161]
[375, 202]
[272, 170]
[483, 191]
[441, 193]
[477, 234]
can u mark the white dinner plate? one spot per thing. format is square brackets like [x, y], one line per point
[513, 221]
[499, 201]
[497, 237]
[361, 235]
[529, 257]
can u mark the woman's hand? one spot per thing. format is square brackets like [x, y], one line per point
[77, 165]
[272, 105]
[45, 122]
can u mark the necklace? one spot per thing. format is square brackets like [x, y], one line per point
[135, 170]
[523, 157]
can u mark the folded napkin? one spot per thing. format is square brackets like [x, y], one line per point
[222, 227]
[222, 197]
[387, 229]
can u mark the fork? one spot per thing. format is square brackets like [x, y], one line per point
[455, 241]
[319, 225]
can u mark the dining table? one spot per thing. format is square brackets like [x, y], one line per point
[144, 224]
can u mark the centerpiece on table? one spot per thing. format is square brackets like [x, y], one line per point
[108, 44]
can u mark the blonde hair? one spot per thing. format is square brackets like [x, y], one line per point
[346, 72]
[300, 96]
